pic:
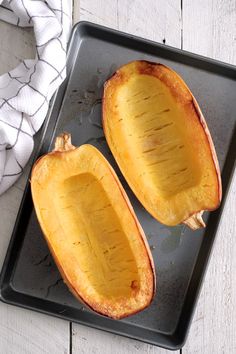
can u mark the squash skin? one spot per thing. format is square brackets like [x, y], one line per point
[115, 307]
[112, 117]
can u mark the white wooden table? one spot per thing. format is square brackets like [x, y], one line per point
[207, 27]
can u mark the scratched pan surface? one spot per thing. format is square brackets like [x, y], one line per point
[29, 276]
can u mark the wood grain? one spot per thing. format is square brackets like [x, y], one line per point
[209, 28]
[211, 32]
[27, 332]
[156, 20]
[88, 340]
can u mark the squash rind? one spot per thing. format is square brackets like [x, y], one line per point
[116, 123]
[44, 169]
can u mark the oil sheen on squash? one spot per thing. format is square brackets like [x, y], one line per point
[162, 148]
[90, 226]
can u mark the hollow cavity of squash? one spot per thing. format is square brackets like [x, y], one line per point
[159, 138]
[90, 226]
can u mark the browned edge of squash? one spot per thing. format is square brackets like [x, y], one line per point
[63, 144]
[194, 221]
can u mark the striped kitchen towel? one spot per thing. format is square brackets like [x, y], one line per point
[25, 91]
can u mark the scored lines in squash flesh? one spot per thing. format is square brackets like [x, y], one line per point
[159, 142]
[104, 237]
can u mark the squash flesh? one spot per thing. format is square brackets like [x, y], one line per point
[159, 143]
[97, 231]
[92, 231]
[159, 136]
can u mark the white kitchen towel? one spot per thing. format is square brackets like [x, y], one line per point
[25, 91]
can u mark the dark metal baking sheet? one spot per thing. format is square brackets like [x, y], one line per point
[30, 278]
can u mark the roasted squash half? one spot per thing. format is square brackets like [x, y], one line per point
[92, 231]
[160, 140]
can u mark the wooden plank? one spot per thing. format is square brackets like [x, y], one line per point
[159, 21]
[209, 28]
[88, 340]
[213, 24]
[76, 11]
[26, 332]
[23, 331]
[156, 20]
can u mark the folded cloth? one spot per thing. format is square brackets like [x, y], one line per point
[25, 91]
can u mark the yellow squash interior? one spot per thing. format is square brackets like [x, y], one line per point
[157, 135]
[159, 144]
[105, 254]
[95, 238]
